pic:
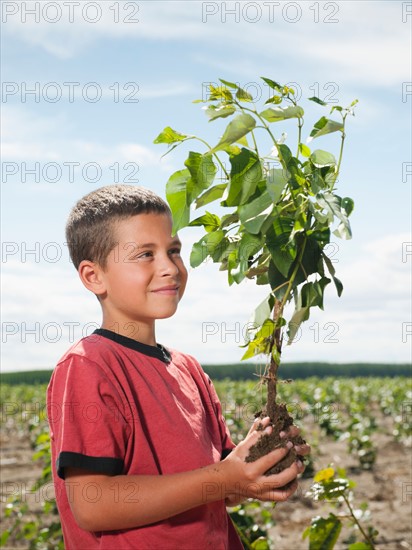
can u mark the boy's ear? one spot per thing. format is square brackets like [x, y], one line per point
[90, 274]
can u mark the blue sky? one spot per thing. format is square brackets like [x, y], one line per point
[159, 62]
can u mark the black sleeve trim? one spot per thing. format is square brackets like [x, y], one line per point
[226, 452]
[96, 464]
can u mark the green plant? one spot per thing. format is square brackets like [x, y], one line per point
[334, 487]
[39, 527]
[254, 535]
[282, 210]
[360, 444]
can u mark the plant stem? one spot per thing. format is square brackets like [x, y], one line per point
[274, 365]
[366, 537]
[254, 142]
[277, 341]
[293, 276]
[300, 124]
[214, 154]
[262, 120]
[341, 145]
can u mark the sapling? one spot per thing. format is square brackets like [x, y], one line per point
[282, 207]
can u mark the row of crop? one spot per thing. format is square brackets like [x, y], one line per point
[341, 409]
[246, 371]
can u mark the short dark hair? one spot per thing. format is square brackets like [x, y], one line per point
[90, 231]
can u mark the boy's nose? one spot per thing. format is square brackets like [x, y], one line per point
[168, 267]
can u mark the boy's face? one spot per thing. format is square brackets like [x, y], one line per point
[144, 277]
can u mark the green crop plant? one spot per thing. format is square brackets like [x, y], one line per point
[333, 486]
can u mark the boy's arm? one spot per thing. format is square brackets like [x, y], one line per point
[133, 501]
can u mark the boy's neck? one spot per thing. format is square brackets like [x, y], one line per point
[131, 329]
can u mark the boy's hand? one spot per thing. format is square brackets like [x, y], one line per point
[247, 479]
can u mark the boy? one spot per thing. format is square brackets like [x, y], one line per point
[141, 455]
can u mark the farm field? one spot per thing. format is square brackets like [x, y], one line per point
[362, 425]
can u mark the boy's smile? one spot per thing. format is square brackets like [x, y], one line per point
[144, 277]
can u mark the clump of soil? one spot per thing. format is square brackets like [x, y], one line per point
[280, 421]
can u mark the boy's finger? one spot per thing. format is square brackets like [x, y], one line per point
[281, 479]
[303, 449]
[259, 423]
[267, 492]
[292, 431]
[282, 494]
[267, 461]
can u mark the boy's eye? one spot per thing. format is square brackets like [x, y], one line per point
[145, 255]
[174, 251]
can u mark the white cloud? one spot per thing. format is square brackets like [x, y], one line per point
[28, 136]
[367, 44]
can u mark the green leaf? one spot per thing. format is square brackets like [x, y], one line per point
[211, 195]
[219, 111]
[220, 93]
[331, 269]
[210, 222]
[348, 205]
[170, 136]
[311, 260]
[318, 292]
[176, 192]
[249, 245]
[325, 126]
[205, 247]
[276, 181]
[330, 490]
[283, 252]
[263, 311]
[253, 214]
[285, 153]
[237, 128]
[360, 546]
[321, 235]
[317, 100]
[260, 544]
[272, 84]
[311, 295]
[4, 537]
[317, 182]
[261, 341]
[304, 150]
[343, 231]
[228, 219]
[276, 280]
[245, 174]
[276, 99]
[338, 285]
[333, 204]
[324, 533]
[321, 158]
[274, 114]
[243, 141]
[232, 85]
[243, 95]
[202, 170]
[300, 315]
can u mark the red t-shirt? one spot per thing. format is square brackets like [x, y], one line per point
[117, 406]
